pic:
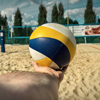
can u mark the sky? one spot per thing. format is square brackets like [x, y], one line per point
[30, 9]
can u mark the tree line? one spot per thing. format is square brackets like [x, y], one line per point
[57, 15]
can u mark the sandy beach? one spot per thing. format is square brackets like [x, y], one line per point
[81, 80]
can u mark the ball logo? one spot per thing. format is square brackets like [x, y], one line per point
[52, 45]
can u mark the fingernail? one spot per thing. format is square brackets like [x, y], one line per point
[33, 62]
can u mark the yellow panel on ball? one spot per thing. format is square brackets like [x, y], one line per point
[44, 62]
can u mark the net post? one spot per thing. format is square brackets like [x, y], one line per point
[85, 40]
[11, 33]
[8, 32]
[2, 41]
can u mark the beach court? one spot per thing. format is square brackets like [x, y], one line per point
[81, 80]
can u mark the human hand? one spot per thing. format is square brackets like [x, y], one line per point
[43, 69]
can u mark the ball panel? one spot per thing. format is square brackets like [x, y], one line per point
[46, 46]
[44, 62]
[62, 29]
[36, 55]
[62, 56]
[47, 32]
[56, 50]
[54, 65]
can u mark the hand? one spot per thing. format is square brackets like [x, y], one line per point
[50, 71]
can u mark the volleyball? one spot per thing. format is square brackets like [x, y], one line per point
[52, 45]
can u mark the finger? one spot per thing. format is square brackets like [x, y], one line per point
[54, 72]
[40, 69]
[35, 65]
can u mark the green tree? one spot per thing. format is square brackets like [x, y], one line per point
[89, 15]
[5, 21]
[30, 31]
[42, 15]
[1, 20]
[61, 13]
[75, 22]
[18, 22]
[5, 24]
[98, 20]
[27, 31]
[54, 17]
[70, 21]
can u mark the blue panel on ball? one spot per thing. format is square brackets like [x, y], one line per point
[53, 49]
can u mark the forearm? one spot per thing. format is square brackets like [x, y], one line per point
[30, 87]
[46, 89]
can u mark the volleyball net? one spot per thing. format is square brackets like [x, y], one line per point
[20, 31]
[83, 33]
[19, 34]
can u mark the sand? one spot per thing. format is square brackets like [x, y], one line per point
[81, 80]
